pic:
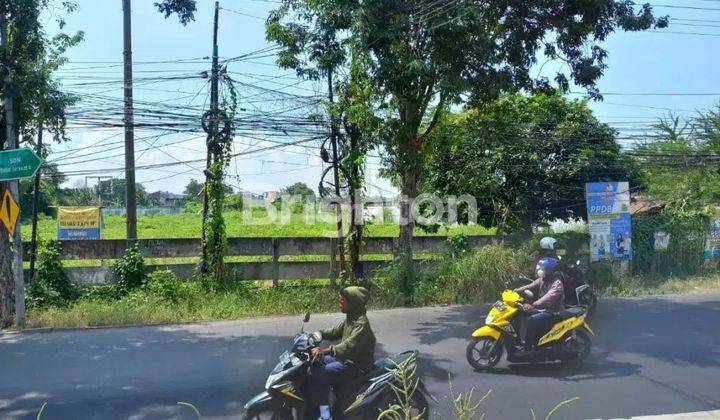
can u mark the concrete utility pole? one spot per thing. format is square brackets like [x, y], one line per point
[36, 196]
[336, 173]
[12, 140]
[130, 197]
[212, 132]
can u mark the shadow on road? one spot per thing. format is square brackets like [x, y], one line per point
[683, 333]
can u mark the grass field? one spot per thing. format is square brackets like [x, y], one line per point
[187, 225]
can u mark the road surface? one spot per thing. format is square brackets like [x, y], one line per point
[652, 356]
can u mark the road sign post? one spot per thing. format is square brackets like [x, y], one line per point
[18, 163]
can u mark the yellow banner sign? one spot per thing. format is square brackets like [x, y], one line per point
[78, 217]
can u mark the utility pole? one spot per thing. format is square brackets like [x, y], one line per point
[36, 196]
[336, 173]
[12, 141]
[130, 197]
[212, 128]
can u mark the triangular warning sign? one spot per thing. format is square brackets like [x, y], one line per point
[9, 212]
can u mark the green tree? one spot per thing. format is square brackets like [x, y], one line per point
[680, 163]
[50, 191]
[28, 62]
[193, 189]
[112, 191]
[298, 189]
[424, 57]
[525, 159]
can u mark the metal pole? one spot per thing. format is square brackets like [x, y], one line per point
[36, 196]
[212, 133]
[130, 193]
[336, 173]
[14, 190]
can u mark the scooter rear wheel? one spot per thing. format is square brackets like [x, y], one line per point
[484, 353]
[579, 346]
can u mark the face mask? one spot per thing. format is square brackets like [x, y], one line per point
[540, 273]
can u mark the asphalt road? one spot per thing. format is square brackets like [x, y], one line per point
[651, 356]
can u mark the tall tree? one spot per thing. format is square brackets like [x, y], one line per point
[425, 56]
[28, 62]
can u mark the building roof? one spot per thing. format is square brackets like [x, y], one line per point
[645, 205]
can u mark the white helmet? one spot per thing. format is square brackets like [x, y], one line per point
[548, 242]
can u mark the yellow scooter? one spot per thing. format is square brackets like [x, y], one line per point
[568, 339]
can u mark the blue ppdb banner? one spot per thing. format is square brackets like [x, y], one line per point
[609, 220]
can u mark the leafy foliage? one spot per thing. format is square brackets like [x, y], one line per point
[129, 270]
[50, 287]
[215, 235]
[525, 159]
[680, 163]
[185, 9]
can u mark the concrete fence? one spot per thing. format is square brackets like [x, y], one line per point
[272, 248]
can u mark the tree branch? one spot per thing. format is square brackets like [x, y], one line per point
[435, 118]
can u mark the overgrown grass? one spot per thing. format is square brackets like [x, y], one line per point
[640, 286]
[187, 225]
[458, 278]
[193, 303]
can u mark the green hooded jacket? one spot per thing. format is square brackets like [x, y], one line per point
[357, 341]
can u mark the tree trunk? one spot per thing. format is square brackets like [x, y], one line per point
[407, 222]
[7, 283]
[355, 236]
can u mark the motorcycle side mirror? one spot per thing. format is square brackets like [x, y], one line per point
[307, 317]
[528, 294]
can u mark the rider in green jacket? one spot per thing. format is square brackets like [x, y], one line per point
[353, 355]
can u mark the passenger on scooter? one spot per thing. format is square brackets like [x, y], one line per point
[548, 244]
[348, 359]
[548, 294]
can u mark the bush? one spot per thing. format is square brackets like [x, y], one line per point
[234, 202]
[479, 276]
[459, 244]
[102, 293]
[129, 270]
[165, 285]
[50, 287]
[193, 207]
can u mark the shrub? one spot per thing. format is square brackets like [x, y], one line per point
[50, 287]
[129, 270]
[234, 202]
[165, 285]
[459, 244]
[105, 292]
[480, 275]
[193, 207]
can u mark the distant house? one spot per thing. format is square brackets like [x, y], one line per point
[169, 199]
[271, 195]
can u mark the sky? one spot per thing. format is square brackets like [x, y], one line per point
[649, 75]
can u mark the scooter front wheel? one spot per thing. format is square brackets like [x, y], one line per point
[484, 353]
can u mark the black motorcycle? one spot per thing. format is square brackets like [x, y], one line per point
[362, 398]
[578, 292]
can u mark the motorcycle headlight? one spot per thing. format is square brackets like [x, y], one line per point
[489, 319]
